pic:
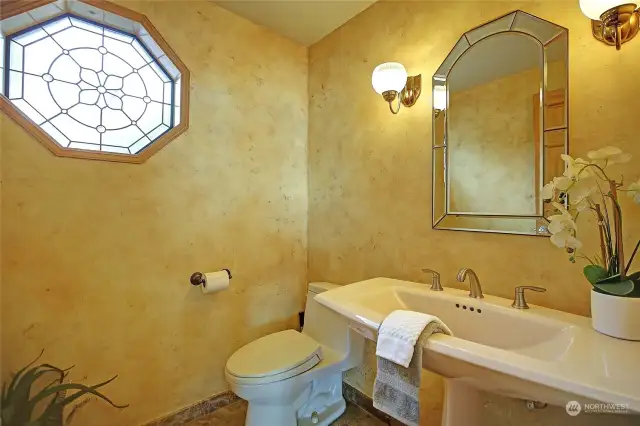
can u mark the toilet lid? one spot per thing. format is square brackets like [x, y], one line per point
[275, 355]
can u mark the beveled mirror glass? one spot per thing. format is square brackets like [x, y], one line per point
[500, 124]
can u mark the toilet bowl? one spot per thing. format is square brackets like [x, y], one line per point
[293, 378]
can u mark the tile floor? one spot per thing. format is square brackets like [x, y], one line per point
[233, 415]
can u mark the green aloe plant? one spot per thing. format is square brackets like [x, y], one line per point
[19, 402]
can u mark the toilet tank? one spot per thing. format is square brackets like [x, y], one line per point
[312, 291]
[324, 325]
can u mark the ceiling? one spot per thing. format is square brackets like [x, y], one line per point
[305, 21]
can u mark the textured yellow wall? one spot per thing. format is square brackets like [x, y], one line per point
[370, 171]
[97, 256]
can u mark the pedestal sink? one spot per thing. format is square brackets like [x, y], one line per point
[535, 354]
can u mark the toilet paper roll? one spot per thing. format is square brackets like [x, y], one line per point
[215, 281]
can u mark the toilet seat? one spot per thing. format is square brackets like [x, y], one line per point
[272, 358]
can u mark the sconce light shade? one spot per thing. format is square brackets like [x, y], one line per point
[390, 76]
[595, 8]
[440, 98]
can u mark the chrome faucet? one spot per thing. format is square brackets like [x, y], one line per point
[474, 283]
[435, 284]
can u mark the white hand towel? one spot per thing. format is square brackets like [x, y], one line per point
[400, 331]
[400, 339]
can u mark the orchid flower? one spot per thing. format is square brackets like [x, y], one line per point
[565, 239]
[575, 169]
[563, 229]
[562, 183]
[562, 221]
[578, 186]
[558, 183]
[609, 155]
[580, 192]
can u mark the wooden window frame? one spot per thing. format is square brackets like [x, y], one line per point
[34, 130]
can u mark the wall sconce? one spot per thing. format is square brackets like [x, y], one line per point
[391, 81]
[612, 22]
[439, 99]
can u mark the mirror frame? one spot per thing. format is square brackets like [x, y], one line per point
[532, 27]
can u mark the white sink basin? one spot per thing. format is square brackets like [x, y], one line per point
[538, 354]
[490, 324]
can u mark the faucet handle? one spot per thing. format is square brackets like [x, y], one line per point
[519, 301]
[435, 284]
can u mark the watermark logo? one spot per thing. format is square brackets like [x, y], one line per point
[573, 408]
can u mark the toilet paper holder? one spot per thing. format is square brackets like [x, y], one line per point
[198, 278]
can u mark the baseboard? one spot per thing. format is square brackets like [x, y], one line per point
[209, 405]
[363, 401]
[197, 410]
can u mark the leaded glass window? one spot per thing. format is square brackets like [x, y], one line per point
[90, 86]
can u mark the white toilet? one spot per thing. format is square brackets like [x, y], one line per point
[295, 379]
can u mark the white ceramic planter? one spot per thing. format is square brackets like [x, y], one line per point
[616, 316]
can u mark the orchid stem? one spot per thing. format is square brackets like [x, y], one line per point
[603, 250]
[617, 221]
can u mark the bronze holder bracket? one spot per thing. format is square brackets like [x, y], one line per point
[617, 25]
[408, 96]
[411, 91]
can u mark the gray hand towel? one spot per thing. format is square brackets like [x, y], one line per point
[396, 389]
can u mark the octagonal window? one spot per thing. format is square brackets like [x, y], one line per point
[91, 86]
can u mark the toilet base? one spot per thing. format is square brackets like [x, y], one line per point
[268, 414]
[319, 404]
[325, 404]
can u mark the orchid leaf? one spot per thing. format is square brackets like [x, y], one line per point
[616, 288]
[600, 279]
[610, 279]
[594, 273]
[635, 277]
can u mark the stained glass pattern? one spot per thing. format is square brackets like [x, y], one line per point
[89, 86]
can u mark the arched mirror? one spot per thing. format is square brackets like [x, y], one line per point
[500, 124]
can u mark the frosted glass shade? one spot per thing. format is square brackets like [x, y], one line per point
[389, 76]
[595, 8]
[440, 97]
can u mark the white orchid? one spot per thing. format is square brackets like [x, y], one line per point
[586, 186]
[563, 229]
[581, 205]
[561, 184]
[562, 221]
[634, 191]
[565, 239]
[580, 192]
[609, 155]
[575, 169]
